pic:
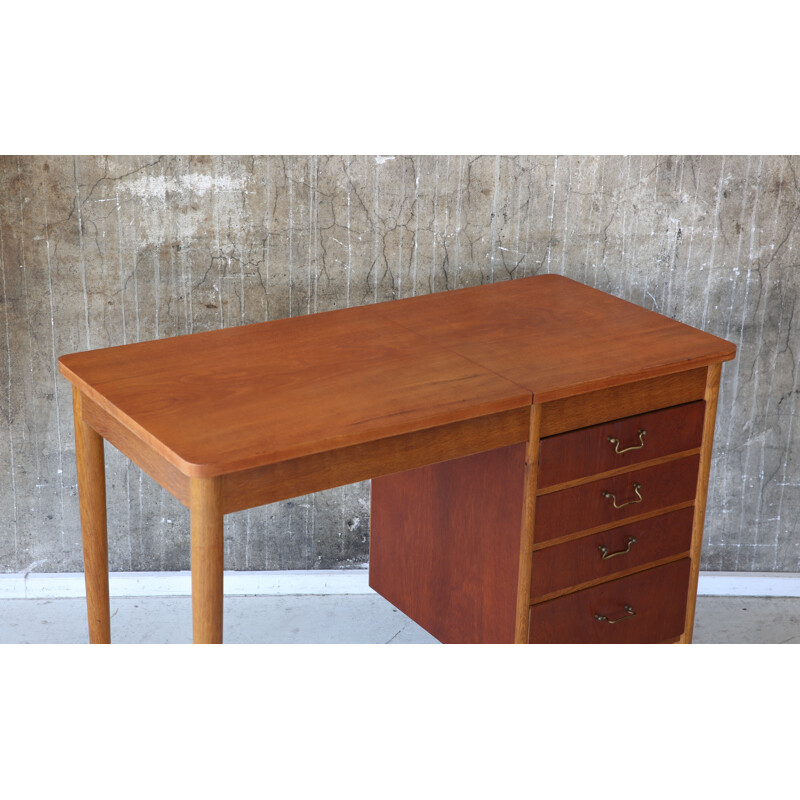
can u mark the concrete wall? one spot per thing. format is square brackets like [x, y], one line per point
[97, 251]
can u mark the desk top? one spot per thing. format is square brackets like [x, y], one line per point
[226, 400]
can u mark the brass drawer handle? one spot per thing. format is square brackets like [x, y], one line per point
[613, 497]
[639, 446]
[604, 550]
[629, 612]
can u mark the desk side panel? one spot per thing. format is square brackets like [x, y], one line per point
[444, 544]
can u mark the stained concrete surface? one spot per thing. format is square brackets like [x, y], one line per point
[747, 620]
[106, 250]
[339, 619]
[292, 619]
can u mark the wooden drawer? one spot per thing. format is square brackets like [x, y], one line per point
[588, 451]
[592, 504]
[647, 607]
[582, 560]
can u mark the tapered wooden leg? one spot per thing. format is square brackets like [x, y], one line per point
[711, 396]
[207, 559]
[92, 498]
[526, 537]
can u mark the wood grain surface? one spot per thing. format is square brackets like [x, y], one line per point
[216, 402]
[90, 462]
[528, 525]
[145, 457]
[233, 399]
[712, 396]
[359, 462]
[207, 559]
[445, 544]
[637, 397]
[557, 337]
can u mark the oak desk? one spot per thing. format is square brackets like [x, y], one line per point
[539, 449]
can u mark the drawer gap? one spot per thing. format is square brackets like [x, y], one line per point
[609, 526]
[616, 576]
[619, 471]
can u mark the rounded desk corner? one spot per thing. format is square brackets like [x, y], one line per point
[731, 353]
[192, 470]
[63, 367]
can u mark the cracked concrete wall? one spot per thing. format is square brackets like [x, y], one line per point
[97, 251]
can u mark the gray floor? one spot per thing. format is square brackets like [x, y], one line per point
[329, 619]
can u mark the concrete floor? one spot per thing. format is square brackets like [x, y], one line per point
[329, 619]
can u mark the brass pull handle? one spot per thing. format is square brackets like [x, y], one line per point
[613, 497]
[604, 550]
[639, 446]
[629, 612]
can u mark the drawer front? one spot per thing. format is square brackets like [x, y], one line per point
[578, 454]
[645, 608]
[602, 555]
[609, 500]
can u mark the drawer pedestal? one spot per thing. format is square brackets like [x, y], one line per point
[610, 515]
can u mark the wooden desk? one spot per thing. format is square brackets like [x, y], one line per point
[539, 449]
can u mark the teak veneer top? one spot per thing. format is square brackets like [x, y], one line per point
[555, 336]
[226, 400]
